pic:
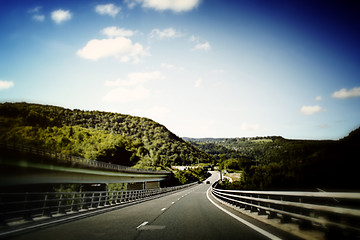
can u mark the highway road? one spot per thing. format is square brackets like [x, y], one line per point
[189, 214]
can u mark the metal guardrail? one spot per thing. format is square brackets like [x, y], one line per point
[332, 212]
[82, 162]
[27, 207]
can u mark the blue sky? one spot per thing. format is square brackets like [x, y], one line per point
[202, 68]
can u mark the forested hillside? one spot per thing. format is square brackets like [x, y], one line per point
[103, 136]
[265, 162]
[278, 163]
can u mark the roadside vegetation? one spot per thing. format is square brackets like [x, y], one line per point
[272, 163]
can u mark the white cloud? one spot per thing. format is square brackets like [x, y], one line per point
[202, 46]
[121, 48]
[113, 31]
[246, 126]
[131, 3]
[310, 110]
[36, 14]
[135, 79]
[200, 43]
[318, 98]
[35, 9]
[344, 93]
[162, 5]
[60, 16]
[38, 18]
[107, 9]
[123, 95]
[6, 84]
[198, 83]
[170, 66]
[166, 33]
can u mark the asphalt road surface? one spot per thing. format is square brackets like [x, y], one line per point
[189, 214]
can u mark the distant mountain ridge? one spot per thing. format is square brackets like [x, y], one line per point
[103, 136]
[252, 147]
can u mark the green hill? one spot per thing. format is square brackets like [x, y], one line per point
[102, 136]
[279, 163]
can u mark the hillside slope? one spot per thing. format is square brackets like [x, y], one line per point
[278, 163]
[103, 136]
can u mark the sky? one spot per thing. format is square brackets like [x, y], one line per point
[202, 68]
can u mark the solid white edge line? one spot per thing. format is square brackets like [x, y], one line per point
[259, 230]
[141, 225]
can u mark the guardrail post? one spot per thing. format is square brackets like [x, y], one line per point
[111, 198]
[127, 196]
[247, 207]
[252, 208]
[46, 211]
[118, 197]
[92, 200]
[100, 199]
[117, 200]
[61, 209]
[107, 199]
[304, 224]
[284, 218]
[139, 194]
[259, 209]
[83, 198]
[272, 215]
[73, 204]
[122, 197]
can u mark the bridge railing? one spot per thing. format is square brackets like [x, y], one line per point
[25, 207]
[332, 212]
[74, 160]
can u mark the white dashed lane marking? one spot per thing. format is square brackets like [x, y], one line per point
[141, 225]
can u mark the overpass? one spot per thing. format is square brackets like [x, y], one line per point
[25, 166]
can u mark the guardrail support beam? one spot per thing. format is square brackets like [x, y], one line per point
[338, 219]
